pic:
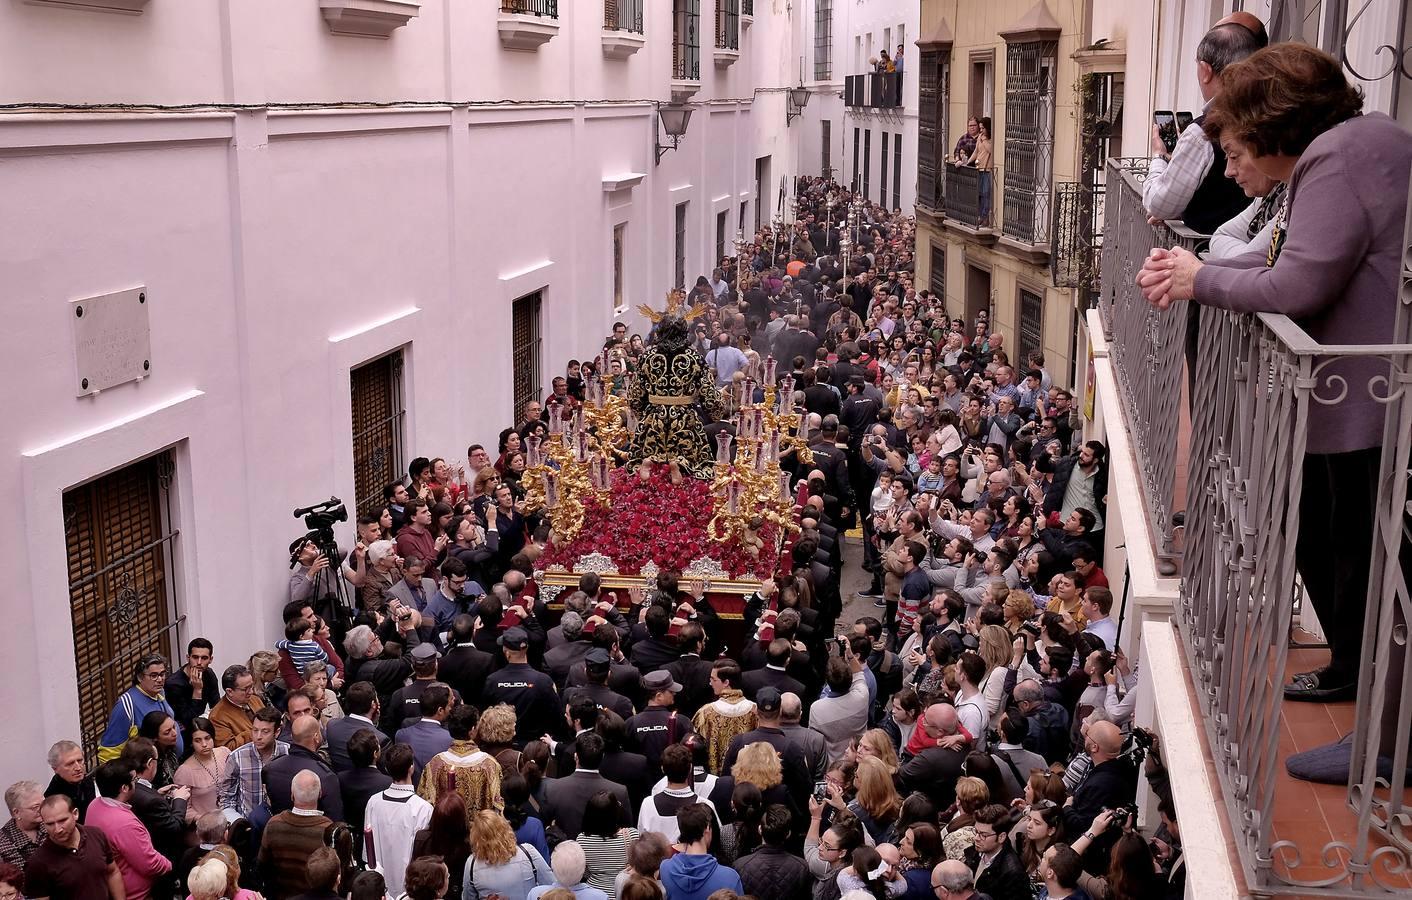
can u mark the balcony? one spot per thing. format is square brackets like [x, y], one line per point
[527, 24]
[1077, 236]
[874, 90]
[970, 198]
[1218, 641]
[727, 49]
[686, 49]
[622, 28]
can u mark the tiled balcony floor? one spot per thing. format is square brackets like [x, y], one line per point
[1313, 815]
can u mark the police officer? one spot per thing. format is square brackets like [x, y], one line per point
[597, 665]
[658, 725]
[530, 691]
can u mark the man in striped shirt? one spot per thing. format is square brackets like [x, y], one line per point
[241, 790]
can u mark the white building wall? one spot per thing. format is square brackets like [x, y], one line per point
[878, 24]
[282, 247]
[826, 100]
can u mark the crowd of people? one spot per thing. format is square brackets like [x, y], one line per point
[456, 738]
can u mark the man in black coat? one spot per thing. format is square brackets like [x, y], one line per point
[566, 798]
[1091, 464]
[934, 771]
[278, 774]
[361, 781]
[621, 765]
[1111, 783]
[657, 650]
[774, 674]
[465, 667]
[360, 706]
[772, 872]
[623, 676]
[691, 671]
[596, 668]
[1000, 873]
[767, 712]
[164, 815]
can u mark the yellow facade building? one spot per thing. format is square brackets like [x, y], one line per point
[1015, 239]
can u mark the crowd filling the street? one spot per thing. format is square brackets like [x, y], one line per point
[433, 723]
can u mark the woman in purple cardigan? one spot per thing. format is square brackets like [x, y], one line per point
[1334, 266]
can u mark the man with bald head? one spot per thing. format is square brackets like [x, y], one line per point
[303, 756]
[291, 837]
[953, 881]
[1112, 782]
[934, 771]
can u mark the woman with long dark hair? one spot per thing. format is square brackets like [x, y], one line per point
[161, 729]
[447, 835]
[604, 841]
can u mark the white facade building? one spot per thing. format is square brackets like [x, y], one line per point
[863, 127]
[321, 219]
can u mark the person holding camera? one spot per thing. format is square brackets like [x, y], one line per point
[1111, 783]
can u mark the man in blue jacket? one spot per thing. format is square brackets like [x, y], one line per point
[694, 874]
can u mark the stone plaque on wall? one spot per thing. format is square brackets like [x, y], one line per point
[112, 340]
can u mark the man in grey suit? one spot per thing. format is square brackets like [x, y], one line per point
[566, 797]
[361, 709]
[559, 660]
[808, 740]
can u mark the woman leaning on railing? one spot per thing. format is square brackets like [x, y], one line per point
[1333, 265]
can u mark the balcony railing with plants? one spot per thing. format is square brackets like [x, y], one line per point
[1263, 388]
[1077, 237]
[623, 15]
[548, 8]
[874, 90]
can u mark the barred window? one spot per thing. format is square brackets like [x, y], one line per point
[823, 40]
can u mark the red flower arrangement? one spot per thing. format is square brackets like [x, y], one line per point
[659, 522]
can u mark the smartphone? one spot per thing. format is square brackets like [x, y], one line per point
[1166, 123]
[1184, 119]
[842, 643]
[821, 790]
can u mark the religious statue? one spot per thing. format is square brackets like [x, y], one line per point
[672, 389]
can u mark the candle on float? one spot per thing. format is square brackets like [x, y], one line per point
[723, 447]
[556, 419]
[760, 458]
[551, 490]
[770, 366]
[582, 450]
[532, 451]
[774, 445]
[757, 427]
[605, 473]
[749, 390]
[733, 497]
[786, 493]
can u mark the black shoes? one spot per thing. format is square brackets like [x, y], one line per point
[1320, 686]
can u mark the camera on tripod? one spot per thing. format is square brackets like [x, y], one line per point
[320, 518]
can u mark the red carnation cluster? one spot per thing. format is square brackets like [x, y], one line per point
[659, 522]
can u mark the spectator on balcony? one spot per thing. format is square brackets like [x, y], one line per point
[1292, 109]
[981, 159]
[1251, 230]
[1190, 182]
[897, 60]
[966, 146]
[885, 63]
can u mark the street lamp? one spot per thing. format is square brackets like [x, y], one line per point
[672, 119]
[798, 99]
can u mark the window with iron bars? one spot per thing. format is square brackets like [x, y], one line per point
[826, 134]
[686, 40]
[933, 95]
[936, 277]
[728, 24]
[623, 15]
[378, 413]
[823, 40]
[120, 537]
[525, 348]
[1030, 73]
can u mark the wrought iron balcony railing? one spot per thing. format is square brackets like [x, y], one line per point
[548, 8]
[970, 195]
[1076, 236]
[623, 15]
[1262, 381]
[727, 24]
[686, 40]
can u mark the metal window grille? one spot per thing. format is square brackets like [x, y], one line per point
[882, 170]
[377, 411]
[122, 593]
[680, 253]
[721, 235]
[867, 161]
[747, 7]
[1077, 238]
[618, 301]
[1030, 72]
[823, 40]
[932, 93]
[686, 40]
[728, 24]
[1031, 324]
[549, 8]
[525, 348]
[856, 139]
[826, 160]
[623, 15]
[896, 171]
[936, 277]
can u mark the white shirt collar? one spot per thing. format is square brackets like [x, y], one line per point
[306, 812]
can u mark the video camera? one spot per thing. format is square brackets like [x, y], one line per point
[322, 516]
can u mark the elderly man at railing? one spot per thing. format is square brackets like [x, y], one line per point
[1332, 264]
